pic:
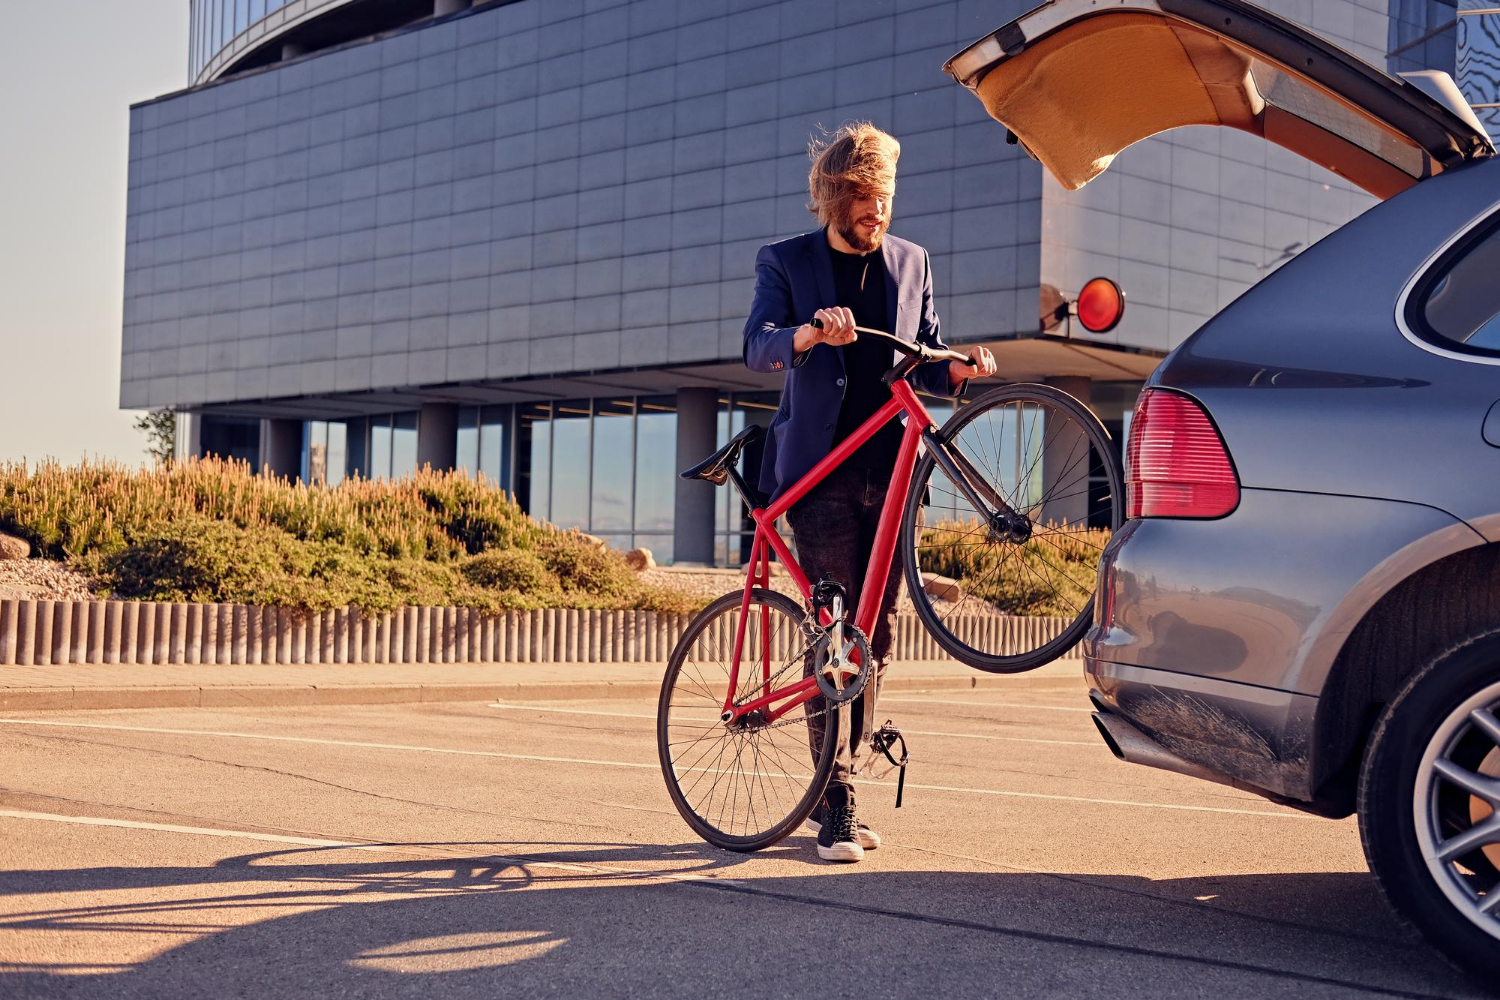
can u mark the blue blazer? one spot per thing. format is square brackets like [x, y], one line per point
[793, 280]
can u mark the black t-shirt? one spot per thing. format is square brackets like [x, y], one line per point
[859, 285]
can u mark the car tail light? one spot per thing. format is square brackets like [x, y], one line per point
[1179, 466]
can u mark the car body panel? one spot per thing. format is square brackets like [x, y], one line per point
[1315, 388]
[1253, 735]
[1305, 569]
[1077, 82]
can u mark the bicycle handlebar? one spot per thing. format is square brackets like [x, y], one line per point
[921, 352]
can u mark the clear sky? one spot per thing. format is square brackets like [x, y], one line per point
[68, 75]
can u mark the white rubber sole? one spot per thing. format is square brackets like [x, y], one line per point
[844, 850]
[868, 839]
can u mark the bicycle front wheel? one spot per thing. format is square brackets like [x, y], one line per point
[742, 786]
[1012, 593]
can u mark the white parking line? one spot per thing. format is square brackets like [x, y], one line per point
[202, 831]
[913, 732]
[1087, 800]
[983, 704]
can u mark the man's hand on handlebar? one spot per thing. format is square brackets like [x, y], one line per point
[833, 326]
[981, 364]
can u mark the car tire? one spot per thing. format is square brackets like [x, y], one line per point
[1408, 810]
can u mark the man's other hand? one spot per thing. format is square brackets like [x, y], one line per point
[981, 364]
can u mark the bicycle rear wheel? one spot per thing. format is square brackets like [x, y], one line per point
[1014, 595]
[745, 786]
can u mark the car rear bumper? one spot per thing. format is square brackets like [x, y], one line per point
[1238, 734]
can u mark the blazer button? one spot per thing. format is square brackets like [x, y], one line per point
[839, 382]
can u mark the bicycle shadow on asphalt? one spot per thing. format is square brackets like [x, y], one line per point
[575, 920]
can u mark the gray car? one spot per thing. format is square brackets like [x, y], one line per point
[1305, 602]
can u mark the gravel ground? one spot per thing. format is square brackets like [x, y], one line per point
[42, 580]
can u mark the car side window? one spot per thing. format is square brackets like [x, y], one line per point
[1459, 307]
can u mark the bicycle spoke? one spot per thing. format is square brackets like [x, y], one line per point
[742, 780]
[1064, 484]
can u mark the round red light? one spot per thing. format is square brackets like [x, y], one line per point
[1100, 305]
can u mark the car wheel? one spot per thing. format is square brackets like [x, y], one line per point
[1429, 803]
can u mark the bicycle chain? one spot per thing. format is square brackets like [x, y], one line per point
[812, 631]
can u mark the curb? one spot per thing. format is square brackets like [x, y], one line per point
[68, 699]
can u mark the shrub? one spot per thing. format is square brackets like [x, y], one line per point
[1053, 574]
[516, 576]
[213, 531]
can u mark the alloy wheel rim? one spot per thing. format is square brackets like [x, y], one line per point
[1440, 777]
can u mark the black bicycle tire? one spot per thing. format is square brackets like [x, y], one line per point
[922, 603]
[819, 783]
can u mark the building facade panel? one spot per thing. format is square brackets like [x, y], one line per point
[376, 185]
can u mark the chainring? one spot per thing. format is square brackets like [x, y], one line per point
[855, 640]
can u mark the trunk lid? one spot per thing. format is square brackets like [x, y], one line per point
[1076, 82]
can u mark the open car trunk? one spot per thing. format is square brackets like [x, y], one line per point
[1077, 81]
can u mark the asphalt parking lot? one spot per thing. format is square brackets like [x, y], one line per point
[529, 849]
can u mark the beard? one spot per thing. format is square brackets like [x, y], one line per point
[854, 234]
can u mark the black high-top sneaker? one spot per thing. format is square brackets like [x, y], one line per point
[863, 835]
[839, 829]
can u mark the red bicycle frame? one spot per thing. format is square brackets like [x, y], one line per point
[767, 540]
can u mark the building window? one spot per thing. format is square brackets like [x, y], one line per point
[655, 475]
[324, 452]
[393, 445]
[534, 459]
[734, 530]
[233, 438]
[611, 512]
[604, 466]
[570, 464]
[484, 435]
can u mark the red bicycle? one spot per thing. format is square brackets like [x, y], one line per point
[1006, 510]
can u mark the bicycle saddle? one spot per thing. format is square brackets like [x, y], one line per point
[715, 468]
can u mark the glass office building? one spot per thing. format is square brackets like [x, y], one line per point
[518, 237]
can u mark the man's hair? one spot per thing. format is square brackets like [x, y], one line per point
[858, 159]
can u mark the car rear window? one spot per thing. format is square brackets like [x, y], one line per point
[1459, 302]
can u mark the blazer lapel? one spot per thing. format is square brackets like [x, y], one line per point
[822, 265]
[892, 288]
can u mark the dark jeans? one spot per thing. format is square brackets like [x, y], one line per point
[834, 527]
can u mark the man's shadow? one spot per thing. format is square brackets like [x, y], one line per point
[582, 920]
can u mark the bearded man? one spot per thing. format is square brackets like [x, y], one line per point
[846, 272]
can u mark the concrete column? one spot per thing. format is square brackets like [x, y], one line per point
[281, 447]
[693, 521]
[437, 436]
[1065, 461]
[441, 7]
[291, 50]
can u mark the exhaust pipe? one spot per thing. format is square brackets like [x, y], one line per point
[1130, 744]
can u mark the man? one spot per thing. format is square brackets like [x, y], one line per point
[849, 271]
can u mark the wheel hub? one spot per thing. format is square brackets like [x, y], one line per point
[1012, 527]
[1480, 810]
